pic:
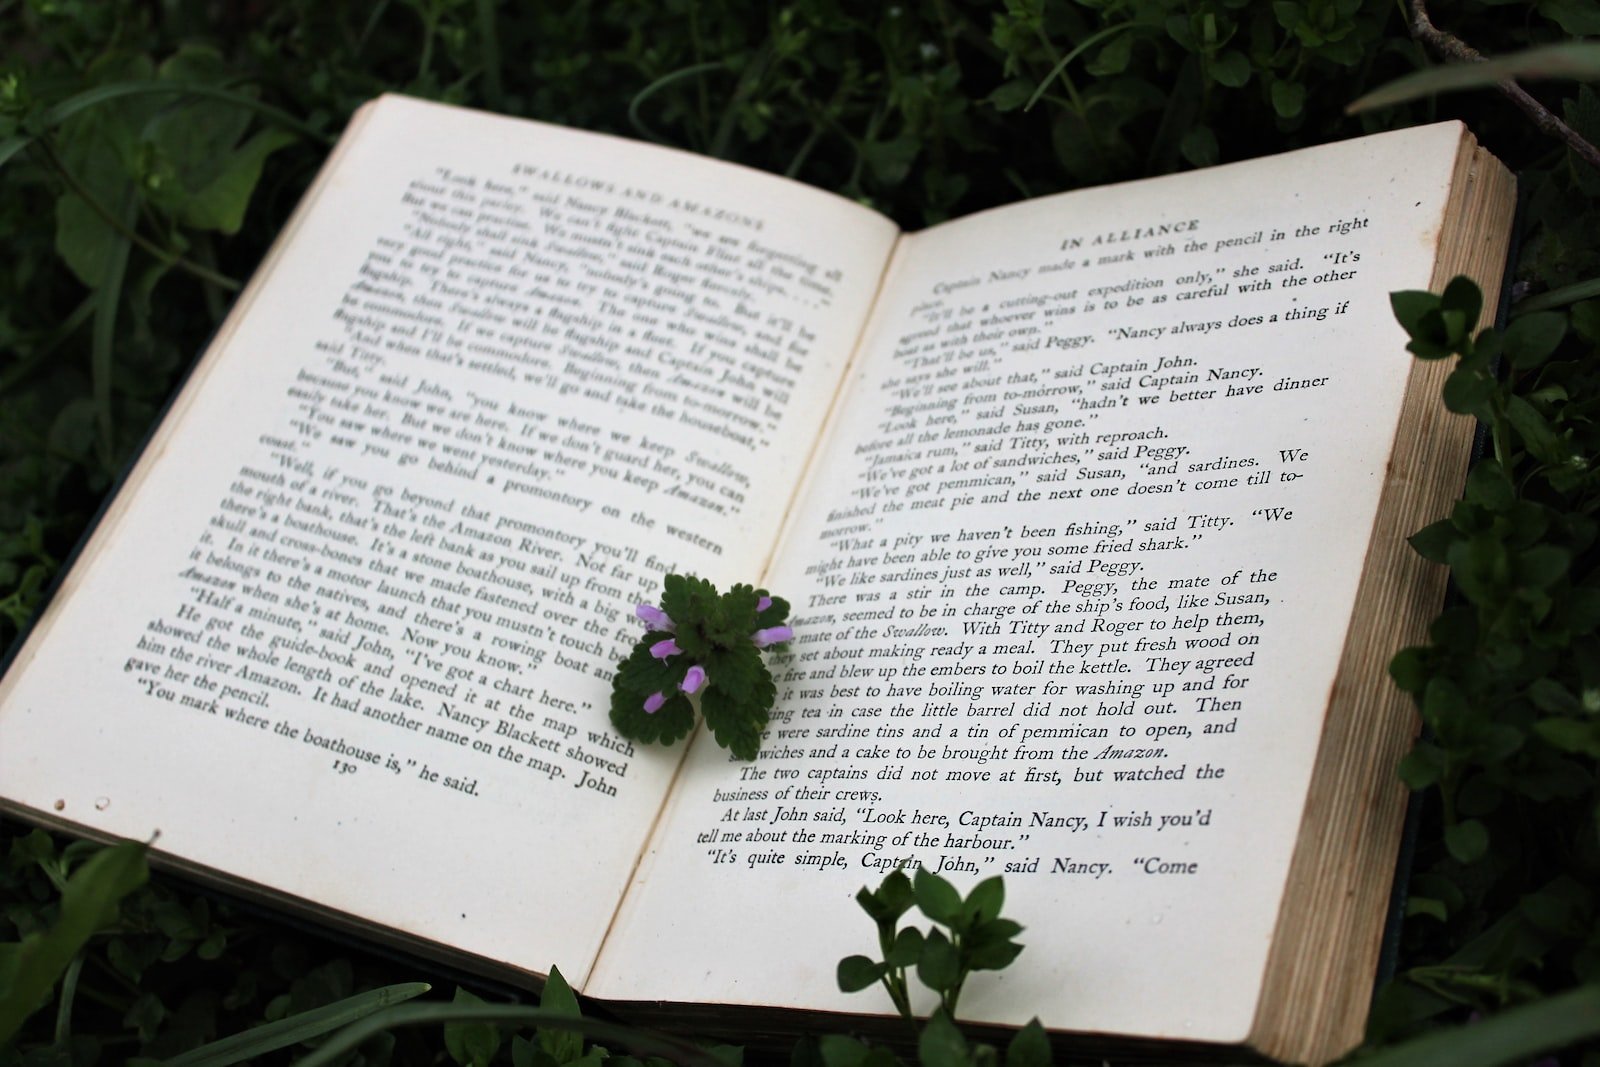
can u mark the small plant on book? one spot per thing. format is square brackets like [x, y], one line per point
[968, 935]
[701, 648]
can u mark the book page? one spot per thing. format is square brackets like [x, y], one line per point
[347, 636]
[1072, 578]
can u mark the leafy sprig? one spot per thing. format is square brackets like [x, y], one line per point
[704, 649]
[1504, 898]
[968, 935]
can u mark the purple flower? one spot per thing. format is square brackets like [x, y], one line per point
[763, 604]
[693, 680]
[663, 649]
[653, 702]
[653, 617]
[772, 635]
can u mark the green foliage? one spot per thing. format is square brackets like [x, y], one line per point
[1509, 687]
[706, 648]
[968, 935]
[90, 896]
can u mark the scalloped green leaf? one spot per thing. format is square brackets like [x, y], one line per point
[735, 724]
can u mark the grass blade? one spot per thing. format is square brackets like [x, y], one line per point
[297, 1028]
[1578, 60]
[89, 901]
[1514, 1036]
[642, 1042]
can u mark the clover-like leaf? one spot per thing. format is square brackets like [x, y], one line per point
[941, 1044]
[857, 973]
[1409, 307]
[1468, 841]
[1029, 1047]
[983, 904]
[938, 964]
[936, 897]
[907, 948]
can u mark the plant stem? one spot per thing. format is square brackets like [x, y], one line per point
[1452, 47]
[171, 259]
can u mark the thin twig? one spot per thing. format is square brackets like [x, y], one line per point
[1452, 47]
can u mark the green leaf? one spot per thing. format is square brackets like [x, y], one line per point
[1571, 735]
[1288, 98]
[296, 1028]
[857, 973]
[1422, 766]
[939, 965]
[1416, 905]
[1532, 339]
[1011, 95]
[563, 1046]
[1543, 565]
[989, 946]
[838, 1050]
[1550, 695]
[89, 901]
[1231, 68]
[220, 205]
[895, 894]
[1488, 486]
[1410, 305]
[1113, 58]
[1579, 18]
[1462, 295]
[936, 897]
[1433, 542]
[1468, 840]
[941, 1044]
[471, 1044]
[640, 675]
[1572, 60]
[1409, 669]
[1199, 146]
[736, 724]
[1531, 424]
[906, 949]
[983, 904]
[1467, 392]
[1513, 1036]
[1029, 1047]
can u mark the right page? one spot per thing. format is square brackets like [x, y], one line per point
[1072, 577]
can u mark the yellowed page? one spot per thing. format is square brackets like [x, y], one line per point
[347, 635]
[1071, 576]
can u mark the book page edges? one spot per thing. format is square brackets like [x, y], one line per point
[1316, 989]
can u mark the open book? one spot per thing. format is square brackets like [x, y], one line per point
[1091, 510]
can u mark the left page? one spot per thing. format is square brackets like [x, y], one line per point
[345, 638]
